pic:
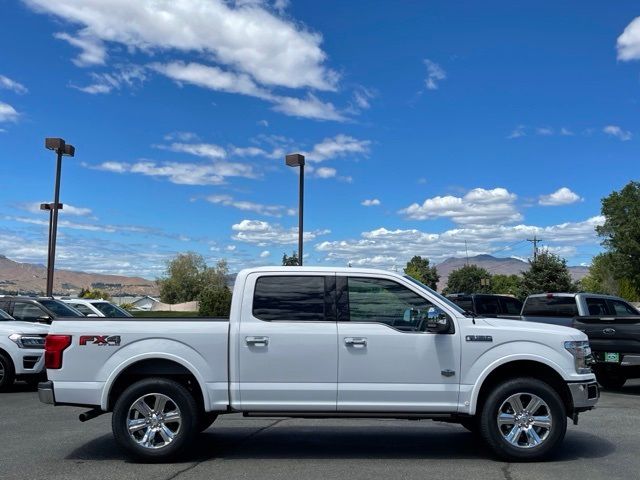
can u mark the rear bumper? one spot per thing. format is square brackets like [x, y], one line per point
[45, 392]
[585, 395]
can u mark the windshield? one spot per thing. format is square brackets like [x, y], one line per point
[5, 316]
[111, 310]
[440, 297]
[59, 309]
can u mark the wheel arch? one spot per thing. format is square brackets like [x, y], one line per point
[519, 368]
[154, 365]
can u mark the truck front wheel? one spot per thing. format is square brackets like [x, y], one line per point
[523, 419]
[6, 373]
[155, 419]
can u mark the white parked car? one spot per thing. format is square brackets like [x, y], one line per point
[96, 308]
[324, 342]
[21, 350]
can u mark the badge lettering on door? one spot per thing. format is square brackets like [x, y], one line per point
[479, 338]
[102, 340]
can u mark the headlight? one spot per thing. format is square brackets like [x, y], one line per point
[27, 341]
[581, 352]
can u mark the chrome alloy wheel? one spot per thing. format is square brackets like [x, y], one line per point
[524, 420]
[1, 371]
[153, 421]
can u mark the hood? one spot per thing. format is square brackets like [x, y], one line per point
[545, 328]
[16, 326]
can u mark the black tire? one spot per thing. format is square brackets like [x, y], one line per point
[206, 420]
[7, 373]
[178, 396]
[610, 380]
[493, 435]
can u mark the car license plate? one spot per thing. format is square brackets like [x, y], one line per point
[611, 357]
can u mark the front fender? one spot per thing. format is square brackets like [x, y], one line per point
[155, 348]
[506, 353]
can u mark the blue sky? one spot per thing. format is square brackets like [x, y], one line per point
[425, 125]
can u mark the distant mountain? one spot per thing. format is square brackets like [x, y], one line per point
[31, 278]
[495, 265]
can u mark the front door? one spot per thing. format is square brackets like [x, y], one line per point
[287, 351]
[387, 361]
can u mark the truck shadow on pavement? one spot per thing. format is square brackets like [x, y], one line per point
[367, 442]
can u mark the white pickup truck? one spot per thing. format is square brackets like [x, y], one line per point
[323, 342]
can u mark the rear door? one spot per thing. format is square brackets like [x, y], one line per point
[388, 362]
[287, 351]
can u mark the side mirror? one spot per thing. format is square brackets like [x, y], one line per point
[44, 319]
[437, 321]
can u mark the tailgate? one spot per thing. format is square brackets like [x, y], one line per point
[611, 334]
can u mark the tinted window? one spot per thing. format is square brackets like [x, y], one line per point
[623, 309]
[83, 309]
[291, 298]
[5, 316]
[60, 309]
[28, 312]
[550, 307]
[597, 306]
[4, 305]
[487, 305]
[385, 301]
[463, 302]
[110, 310]
[511, 306]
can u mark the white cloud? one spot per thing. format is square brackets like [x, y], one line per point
[628, 43]
[207, 150]
[562, 196]
[518, 132]
[268, 210]
[371, 202]
[265, 254]
[309, 107]
[181, 136]
[263, 123]
[8, 84]
[34, 207]
[8, 113]
[181, 173]
[336, 147]
[565, 132]
[388, 248]
[265, 233]
[93, 52]
[435, 74]
[618, 132]
[544, 131]
[325, 172]
[248, 38]
[123, 76]
[477, 207]
[362, 97]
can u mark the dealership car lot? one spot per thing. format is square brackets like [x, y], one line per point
[39, 441]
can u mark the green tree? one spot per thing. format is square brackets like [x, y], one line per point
[621, 232]
[183, 279]
[94, 294]
[214, 299]
[420, 269]
[468, 279]
[601, 278]
[507, 285]
[548, 273]
[290, 261]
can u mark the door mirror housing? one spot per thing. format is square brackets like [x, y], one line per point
[438, 321]
[44, 319]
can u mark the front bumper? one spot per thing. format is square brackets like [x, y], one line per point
[45, 392]
[584, 394]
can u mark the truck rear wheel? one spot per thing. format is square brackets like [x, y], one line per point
[523, 419]
[155, 419]
[7, 375]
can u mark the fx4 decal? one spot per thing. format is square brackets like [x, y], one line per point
[102, 340]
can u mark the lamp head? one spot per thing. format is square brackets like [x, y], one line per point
[54, 143]
[294, 160]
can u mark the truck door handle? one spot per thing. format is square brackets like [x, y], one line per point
[357, 342]
[257, 341]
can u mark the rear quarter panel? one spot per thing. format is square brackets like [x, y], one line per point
[89, 370]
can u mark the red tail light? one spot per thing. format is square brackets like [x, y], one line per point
[54, 345]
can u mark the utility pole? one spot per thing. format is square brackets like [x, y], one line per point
[467, 252]
[535, 240]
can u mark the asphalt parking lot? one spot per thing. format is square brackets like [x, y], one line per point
[40, 441]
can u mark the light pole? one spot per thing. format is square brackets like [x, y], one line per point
[297, 160]
[61, 148]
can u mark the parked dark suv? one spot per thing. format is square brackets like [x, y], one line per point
[36, 309]
[484, 304]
